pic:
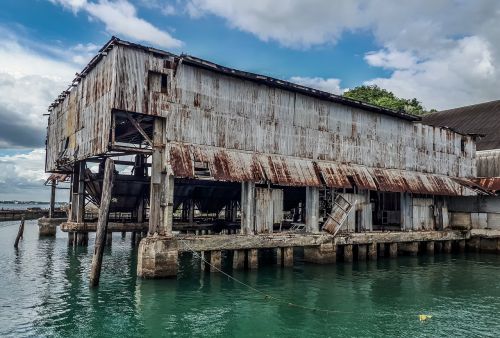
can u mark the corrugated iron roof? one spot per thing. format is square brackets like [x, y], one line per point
[480, 119]
[239, 166]
[488, 183]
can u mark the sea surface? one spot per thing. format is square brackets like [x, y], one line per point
[44, 293]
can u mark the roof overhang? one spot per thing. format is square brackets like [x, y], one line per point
[239, 166]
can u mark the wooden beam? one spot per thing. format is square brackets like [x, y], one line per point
[139, 129]
[102, 222]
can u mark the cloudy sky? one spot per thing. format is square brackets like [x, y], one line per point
[446, 53]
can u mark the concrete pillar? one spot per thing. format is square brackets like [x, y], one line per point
[461, 245]
[372, 251]
[410, 248]
[429, 247]
[447, 247]
[248, 207]
[348, 253]
[279, 256]
[46, 227]
[438, 246]
[215, 261]
[253, 258]
[322, 254]
[361, 252]
[393, 250]
[288, 256]
[312, 209]
[381, 249]
[239, 259]
[157, 257]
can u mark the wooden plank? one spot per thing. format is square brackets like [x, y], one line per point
[102, 222]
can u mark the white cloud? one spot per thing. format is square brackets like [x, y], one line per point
[326, 85]
[446, 52]
[120, 17]
[22, 176]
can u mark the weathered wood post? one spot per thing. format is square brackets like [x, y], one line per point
[102, 222]
[52, 198]
[19, 233]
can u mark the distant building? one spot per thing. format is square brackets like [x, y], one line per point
[482, 120]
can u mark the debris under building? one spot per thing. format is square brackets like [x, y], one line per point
[209, 158]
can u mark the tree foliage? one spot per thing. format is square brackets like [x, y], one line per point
[381, 97]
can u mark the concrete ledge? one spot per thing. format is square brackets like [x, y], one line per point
[485, 233]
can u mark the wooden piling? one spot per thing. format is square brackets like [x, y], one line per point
[288, 256]
[361, 252]
[393, 250]
[239, 259]
[215, 261]
[447, 247]
[348, 253]
[279, 256]
[19, 233]
[429, 248]
[372, 251]
[102, 222]
[253, 258]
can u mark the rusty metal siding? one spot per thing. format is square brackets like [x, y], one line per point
[228, 112]
[78, 127]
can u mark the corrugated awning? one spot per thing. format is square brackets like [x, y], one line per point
[239, 166]
[488, 183]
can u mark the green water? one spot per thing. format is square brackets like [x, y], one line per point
[44, 292]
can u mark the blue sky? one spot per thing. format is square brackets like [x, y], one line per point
[445, 53]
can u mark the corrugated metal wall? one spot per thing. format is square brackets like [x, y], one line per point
[79, 126]
[488, 163]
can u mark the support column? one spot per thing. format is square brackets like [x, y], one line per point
[215, 261]
[239, 259]
[191, 212]
[82, 238]
[381, 249]
[438, 246]
[312, 209]
[52, 198]
[253, 258]
[348, 253]
[322, 254]
[247, 208]
[410, 248]
[288, 256]
[393, 250]
[429, 248]
[461, 246]
[372, 251]
[109, 238]
[47, 226]
[102, 222]
[361, 252]
[279, 256]
[447, 247]
[71, 238]
[162, 185]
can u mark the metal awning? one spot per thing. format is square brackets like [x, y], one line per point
[238, 166]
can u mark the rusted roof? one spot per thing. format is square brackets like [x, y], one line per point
[267, 80]
[488, 183]
[480, 119]
[238, 166]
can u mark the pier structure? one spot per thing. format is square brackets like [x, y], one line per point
[210, 159]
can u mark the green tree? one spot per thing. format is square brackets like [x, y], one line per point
[381, 97]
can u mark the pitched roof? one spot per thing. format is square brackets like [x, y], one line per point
[482, 119]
